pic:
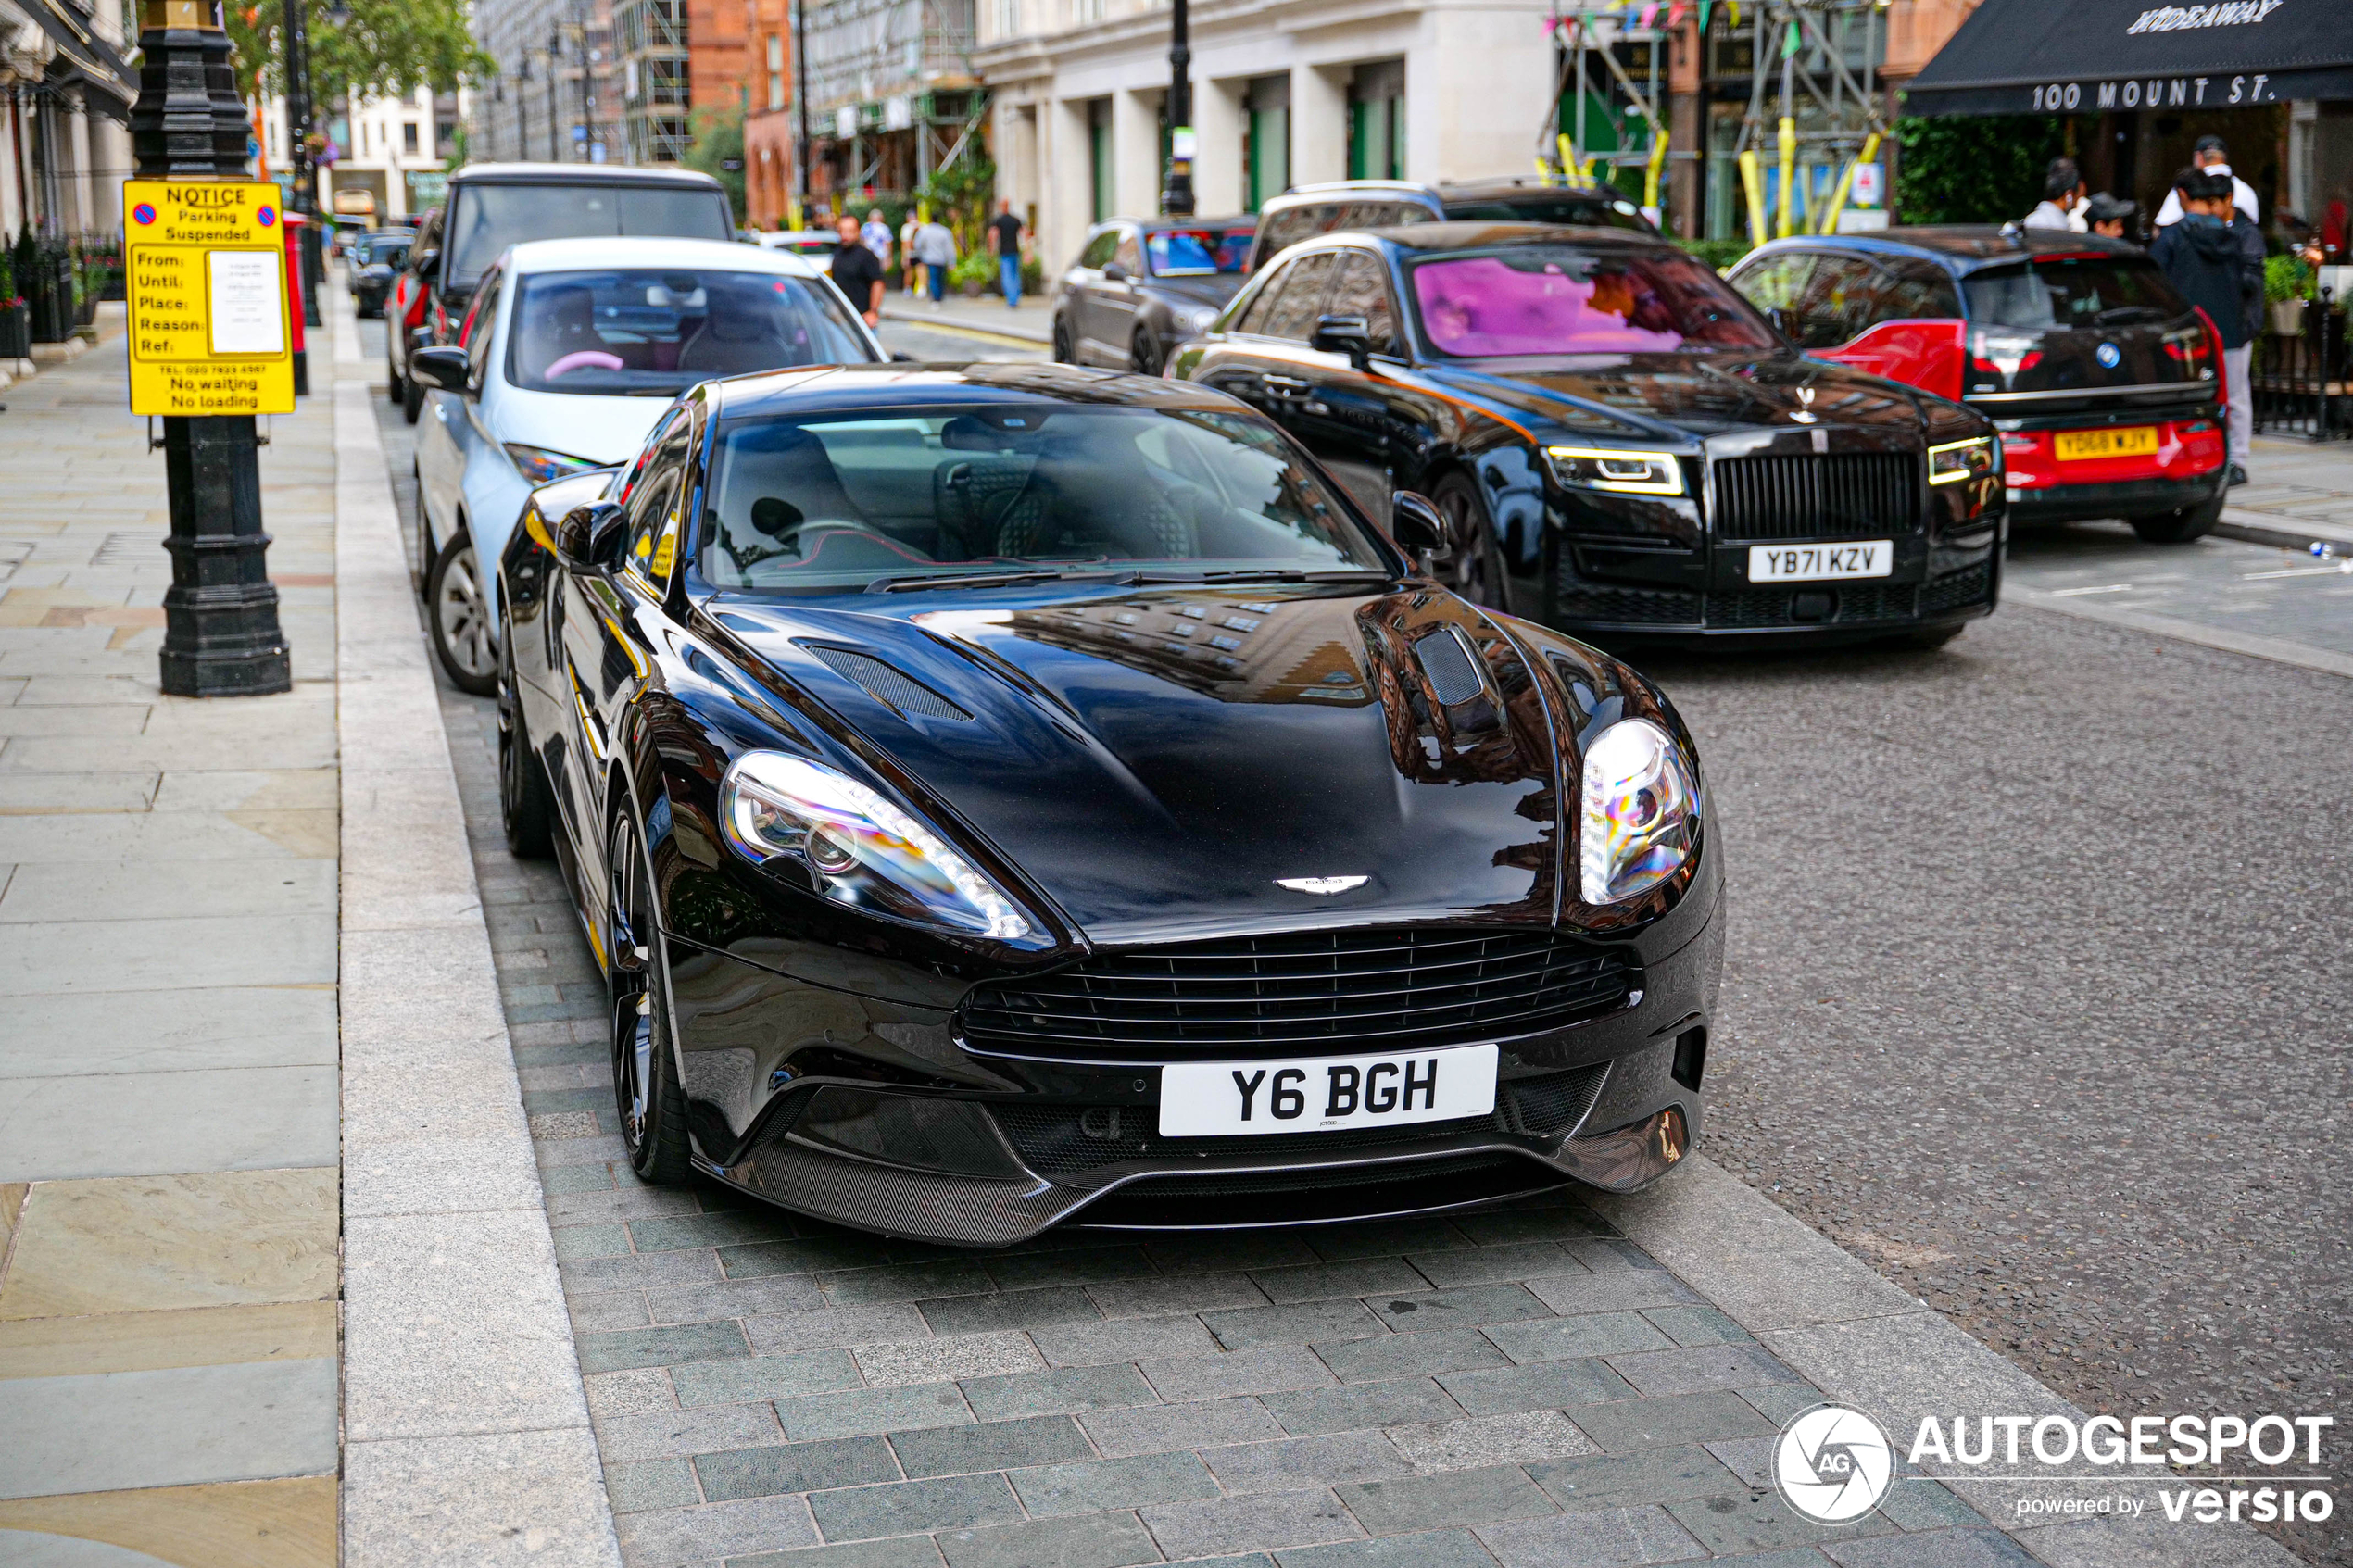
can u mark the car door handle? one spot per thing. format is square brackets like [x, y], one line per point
[1284, 386]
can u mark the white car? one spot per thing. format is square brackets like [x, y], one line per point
[571, 350]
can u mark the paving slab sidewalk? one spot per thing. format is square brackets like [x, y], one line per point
[2298, 494]
[168, 1150]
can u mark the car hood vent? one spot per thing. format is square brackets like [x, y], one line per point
[886, 683]
[1454, 677]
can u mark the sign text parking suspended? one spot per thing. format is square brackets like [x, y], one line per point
[204, 269]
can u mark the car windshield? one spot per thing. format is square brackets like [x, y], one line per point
[390, 252]
[1568, 299]
[1181, 253]
[838, 502]
[490, 217]
[2090, 293]
[1537, 207]
[655, 332]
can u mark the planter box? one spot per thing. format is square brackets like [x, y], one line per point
[2287, 317]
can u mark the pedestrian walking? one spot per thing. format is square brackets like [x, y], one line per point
[876, 234]
[2214, 157]
[855, 271]
[1006, 231]
[936, 248]
[2062, 192]
[2110, 217]
[911, 273]
[2217, 261]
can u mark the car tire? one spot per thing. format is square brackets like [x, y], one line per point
[457, 612]
[395, 387]
[645, 1073]
[1477, 573]
[2180, 528]
[1144, 355]
[1065, 352]
[423, 569]
[526, 806]
[413, 399]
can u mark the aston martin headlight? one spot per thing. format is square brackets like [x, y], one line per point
[1955, 461]
[1641, 811]
[1204, 319]
[539, 465]
[1625, 471]
[858, 849]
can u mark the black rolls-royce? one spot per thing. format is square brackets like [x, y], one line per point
[1621, 445]
[1015, 794]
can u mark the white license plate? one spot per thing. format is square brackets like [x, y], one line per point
[1821, 563]
[1212, 1099]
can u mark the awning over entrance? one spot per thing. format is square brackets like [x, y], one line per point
[2037, 56]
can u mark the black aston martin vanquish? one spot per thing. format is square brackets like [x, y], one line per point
[1621, 445]
[1019, 794]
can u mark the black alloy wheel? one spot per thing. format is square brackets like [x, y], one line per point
[2181, 527]
[393, 387]
[645, 1079]
[459, 613]
[1065, 353]
[526, 808]
[1472, 566]
[1145, 355]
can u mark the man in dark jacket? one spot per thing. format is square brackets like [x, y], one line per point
[2216, 260]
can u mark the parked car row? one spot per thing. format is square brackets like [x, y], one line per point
[1007, 795]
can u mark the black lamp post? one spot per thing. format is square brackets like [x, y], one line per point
[304, 198]
[555, 109]
[1176, 199]
[800, 103]
[220, 614]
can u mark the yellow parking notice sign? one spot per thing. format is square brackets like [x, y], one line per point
[205, 272]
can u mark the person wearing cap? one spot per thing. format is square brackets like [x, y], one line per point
[2062, 191]
[2215, 256]
[2110, 217]
[2215, 158]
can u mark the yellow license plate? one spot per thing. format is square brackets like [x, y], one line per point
[2138, 441]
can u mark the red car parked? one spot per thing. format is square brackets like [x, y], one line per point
[2107, 385]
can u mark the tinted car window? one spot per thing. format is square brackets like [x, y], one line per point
[1777, 281]
[1360, 288]
[1293, 313]
[653, 510]
[481, 325]
[825, 502]
[1551, 298]
[1189, 253]
[1837, 302]
[1099, 249]
[646, 332]
[1279, 231]
[2092, 293]
[490, 217]
[1911, 288]
[1128, 253]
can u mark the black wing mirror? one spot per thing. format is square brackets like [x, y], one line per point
[590, 537]
[1351, 335]
[1114, 273]
[442, 367]
[1413, 521]
[425, 260]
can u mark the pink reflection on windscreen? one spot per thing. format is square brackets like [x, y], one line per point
[1479, 307]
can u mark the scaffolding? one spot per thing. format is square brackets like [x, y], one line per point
[891, 90]
[1814, 99]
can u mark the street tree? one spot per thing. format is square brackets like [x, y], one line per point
[374, 49]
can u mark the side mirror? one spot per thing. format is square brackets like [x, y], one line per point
[900, 356]
[1415, 522]
[1351, 335]
[425, 261]
[1114, 273]
[442, 367]
[590, 537]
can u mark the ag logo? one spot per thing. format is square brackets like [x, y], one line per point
[1833, 1464]
[2107, 354]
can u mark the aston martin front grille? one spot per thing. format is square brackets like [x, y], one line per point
[1323, 992]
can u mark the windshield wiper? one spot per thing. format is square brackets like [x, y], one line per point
[1261, 574]
[915, 582]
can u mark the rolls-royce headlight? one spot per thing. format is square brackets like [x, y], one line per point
[858, 849]
[1625, 471]
[1952, 461]
[1642, 809]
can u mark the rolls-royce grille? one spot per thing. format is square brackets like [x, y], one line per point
[1829, 495]
[1061, 1141]
[1627, 607]
[1321, 992]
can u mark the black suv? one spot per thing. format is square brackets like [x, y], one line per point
[1305, 211]
[492, 205]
